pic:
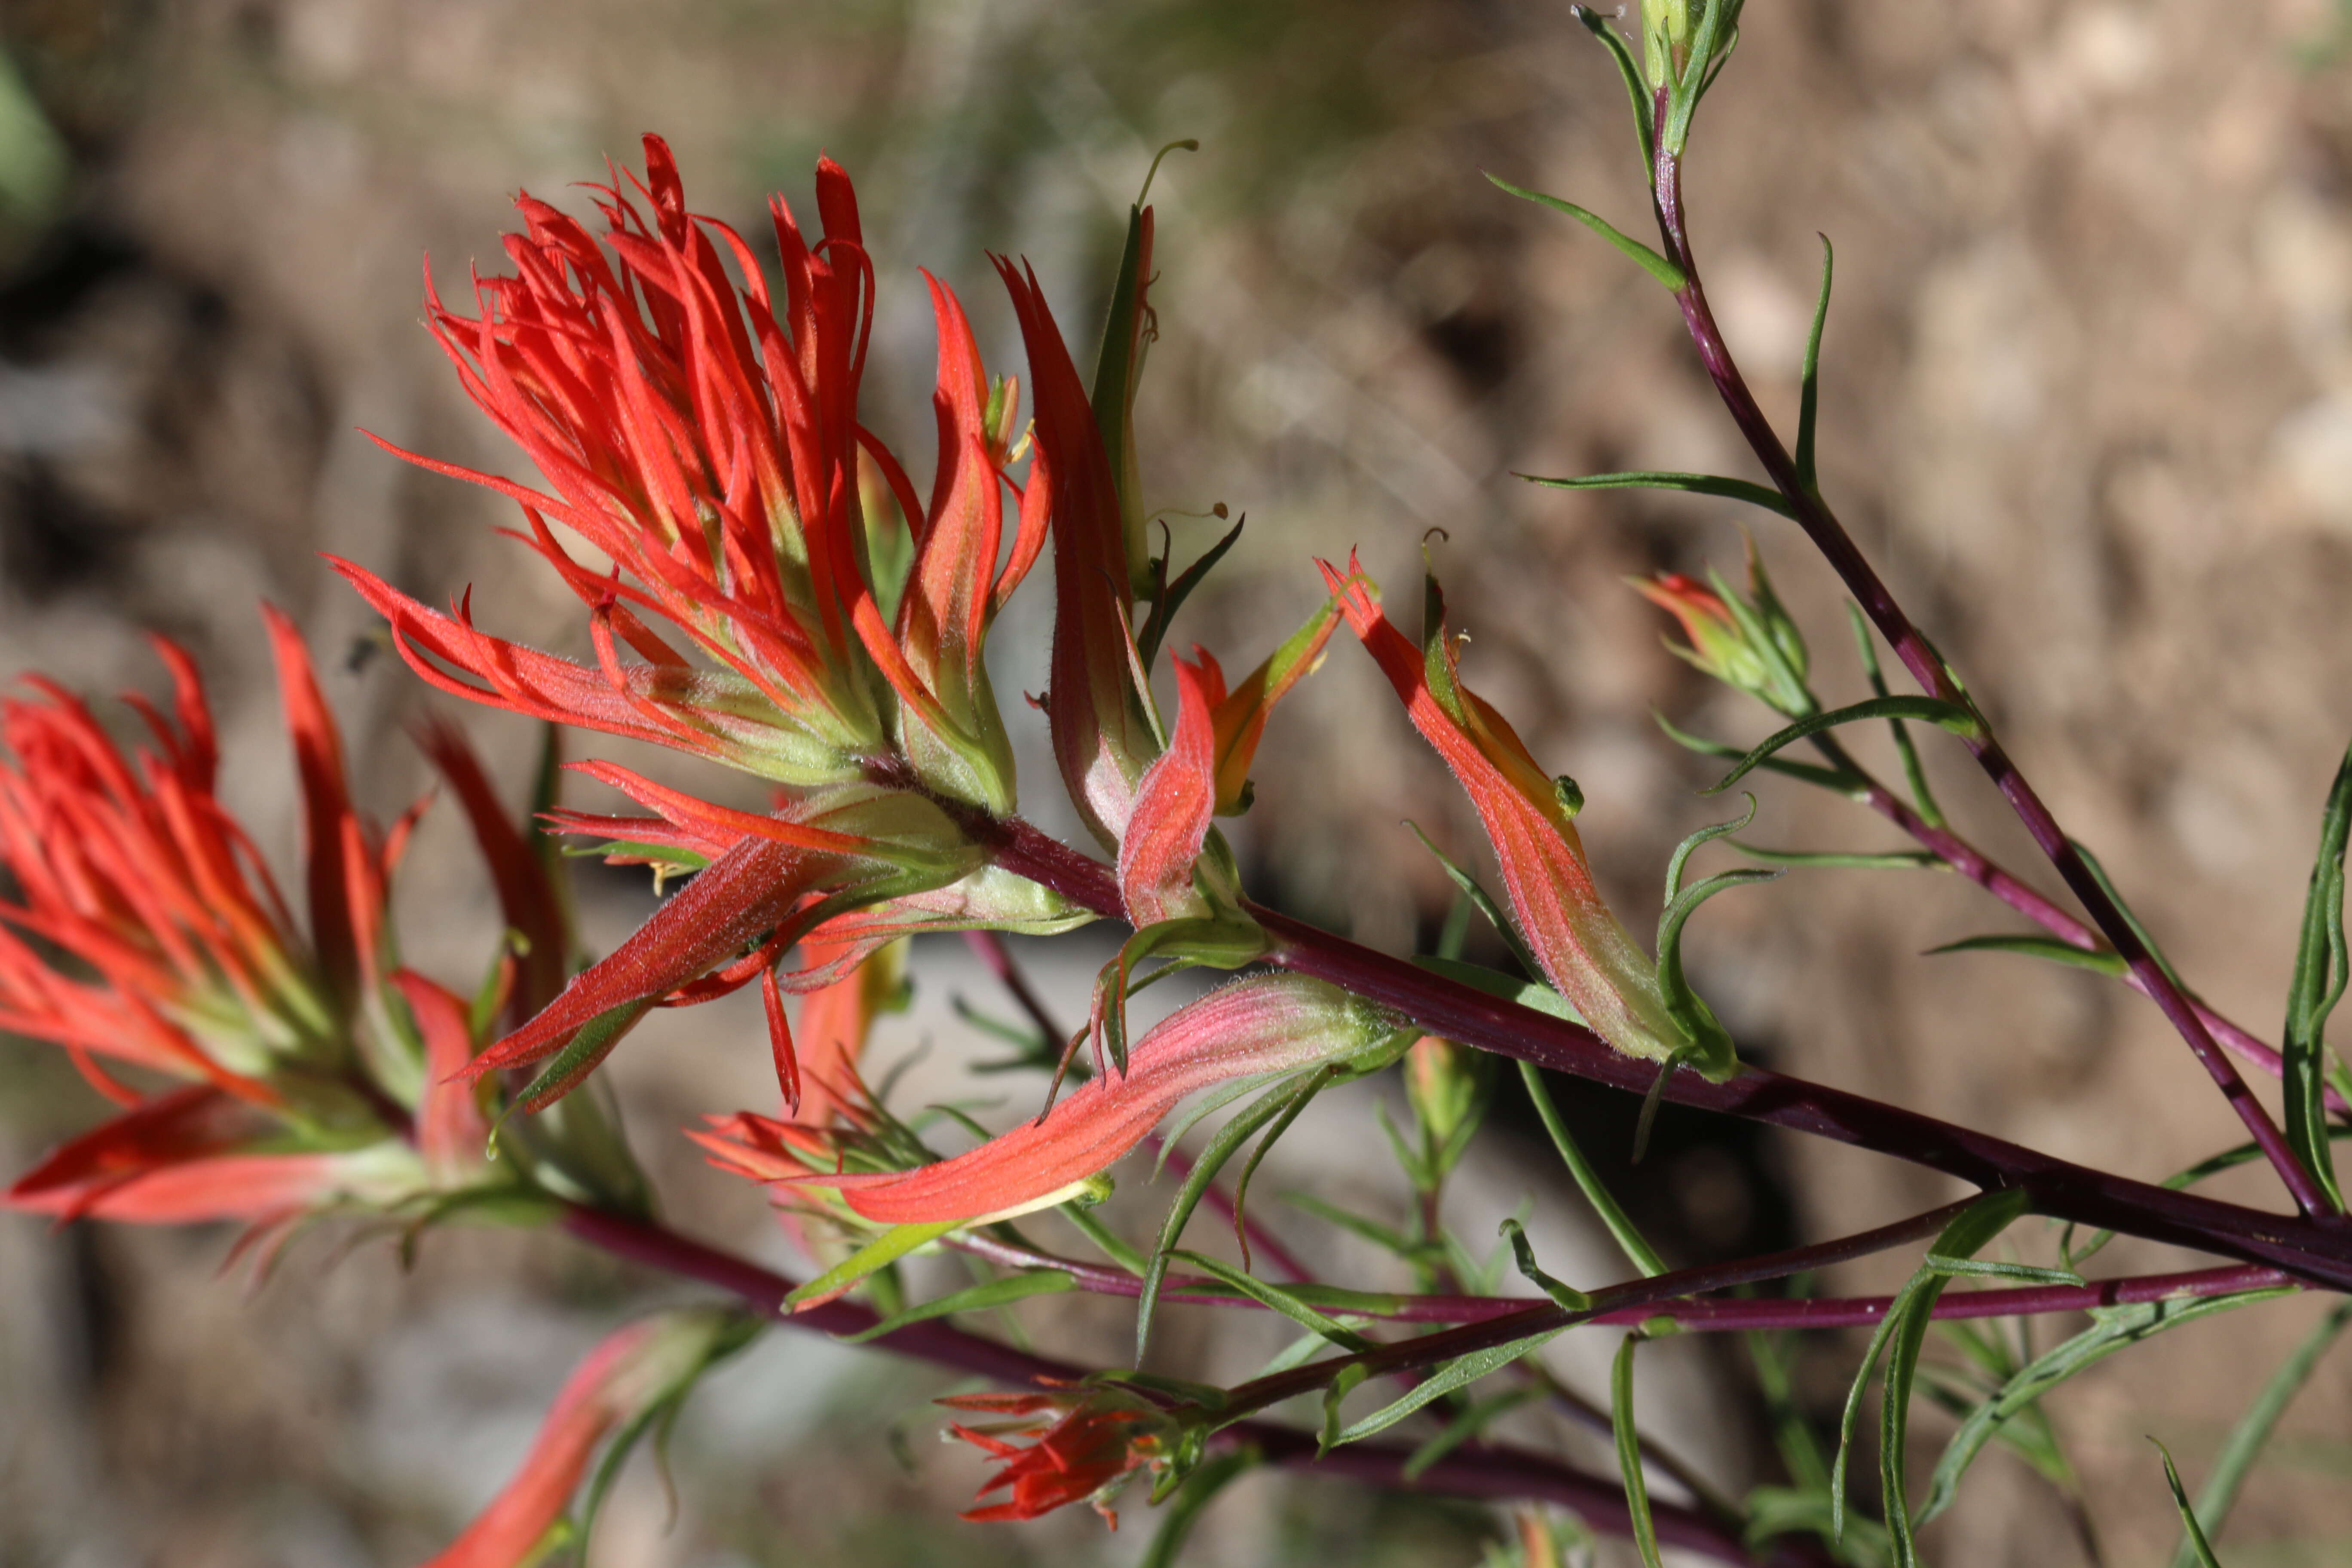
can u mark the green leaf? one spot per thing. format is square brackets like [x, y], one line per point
[2033, 945]
[1565, 1297]
[1900, 1336]
[2199, 1549]
[1792, 1434]
[1710, 1043]
[1839, 781]
[1221, 1148]
[1951, 716]
[1199, 1488]
[1630, 1240]
[1922, 798]
[2320, 970]
[1635, 89]
[1808, 379]
[1170, 596]
[1753, 494]
[2253, 1429]
[1484, 901]
[1458, 1373]
[2112, 1329]
[882, 1251]
[575, 1061]
[728, 1334]
[1290, 1113]
[1278, 1299]
[1841, 860]
[1984, 1268]
[1650, 261]
[2132, 921]
[1481, 1415]
[1379, 1235]
[1690, 846]
[1628, 1451]
[977, 1298]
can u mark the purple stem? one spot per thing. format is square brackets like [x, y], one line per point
[1483, 1471]
[2318, 1252]
[1698, 1315]
[1972, 863]
[1927, 666]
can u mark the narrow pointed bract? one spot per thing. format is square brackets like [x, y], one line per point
[1585, 952]
[1270, 1024]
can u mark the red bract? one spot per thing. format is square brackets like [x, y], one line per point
[630, 1374]
[1096, 1440]
[179, 1158]
[1266, 1025]
[187, 959]
[1585, 952]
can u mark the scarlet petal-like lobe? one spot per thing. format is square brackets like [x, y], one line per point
[527, 898]
[169, 1162]
[327, 817]
[1173, 806]
[743, 895]
[1585, 952]
[1268, 1024]
[451, 1131]
[1099, 1437]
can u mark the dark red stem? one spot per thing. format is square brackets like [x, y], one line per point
[2318, 1253]
[1928, 667]
[1483, 1471]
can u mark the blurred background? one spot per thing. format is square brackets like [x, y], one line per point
[2088, 402]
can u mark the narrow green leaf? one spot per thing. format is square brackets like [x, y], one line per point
[1968, 1232]
[1276, 1299]
[1841, 859]
[1379, 1235]
[2033, 945]
[1923, 798]
[1951, 716]
[657, 1417]
[1792, 1434]
[1753, 494]
[1630, 1240]
[1838, 780]
[1669, 275]
[1984, 1268]
[977, 1298]
[1199, 1488]
[2199, 1549]
[1221, 1148]
[2253, 1429]
[1481, 1415]
[1710, 1046]
[1646, 135]
[1565, 1297]
[1172, 597]
[1458, 1373]
[2318, 983]
[2123, 907]
[1690, 846]
[1628, 1451]
[1808, 381]
[1290, 1113]
[1106, 1241]
[882, 1251]
[2112, 1329]
[575, 1061]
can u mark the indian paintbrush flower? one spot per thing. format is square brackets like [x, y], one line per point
[1751, 645]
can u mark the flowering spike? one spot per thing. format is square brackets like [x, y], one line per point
[1750, 646]
[1268, 1024]
[1585, 952]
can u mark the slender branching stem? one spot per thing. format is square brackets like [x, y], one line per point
[1936, 678]
[1486, 1471]
[2314, 1252]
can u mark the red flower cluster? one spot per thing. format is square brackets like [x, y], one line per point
[1096, 1438]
